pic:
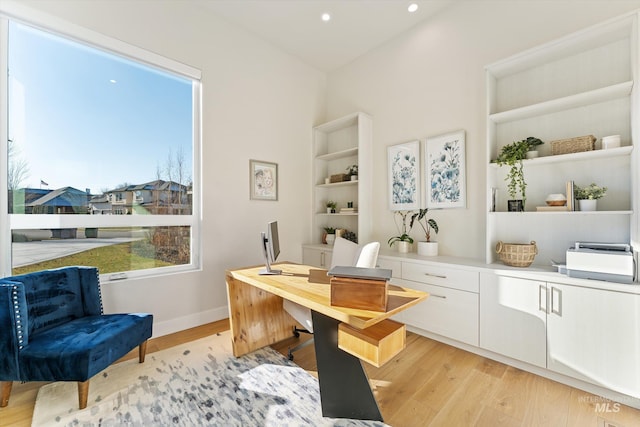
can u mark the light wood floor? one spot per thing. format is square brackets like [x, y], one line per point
[428, 384]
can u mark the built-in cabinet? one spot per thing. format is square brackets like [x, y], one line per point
[451, 310]
[582, 332]
[317, 255]
[582, 84]
[338, 145]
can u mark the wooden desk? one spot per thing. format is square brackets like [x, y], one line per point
[257, 319]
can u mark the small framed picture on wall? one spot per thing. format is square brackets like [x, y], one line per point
[404, 176]
[445, 177]
[263, 180]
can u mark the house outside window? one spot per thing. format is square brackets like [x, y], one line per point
[83, 120]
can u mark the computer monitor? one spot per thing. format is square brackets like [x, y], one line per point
[270, 248]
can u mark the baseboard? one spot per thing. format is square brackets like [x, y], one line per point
[178, 324]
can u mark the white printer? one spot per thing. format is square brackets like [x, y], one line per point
[612, 262]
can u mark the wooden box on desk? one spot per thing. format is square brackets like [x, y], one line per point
[364, 294]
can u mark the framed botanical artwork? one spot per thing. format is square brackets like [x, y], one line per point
[404, 176]
[263, 180]
[445, 166]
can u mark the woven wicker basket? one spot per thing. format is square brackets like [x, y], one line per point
[517, 254]
[573, 145]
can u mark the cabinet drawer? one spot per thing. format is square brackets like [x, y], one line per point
[447, 312]
[442, 276]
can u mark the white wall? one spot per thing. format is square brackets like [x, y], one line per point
[430, 81]
[258, 103]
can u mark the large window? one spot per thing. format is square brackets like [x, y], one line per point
[101, 153]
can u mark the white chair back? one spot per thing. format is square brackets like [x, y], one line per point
[345, 252]
[368, 257]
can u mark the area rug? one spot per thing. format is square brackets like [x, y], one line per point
[199, 383]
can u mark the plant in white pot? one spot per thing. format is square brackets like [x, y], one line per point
[587, 197]
[403, 239]
[427, 248]
[330, 235]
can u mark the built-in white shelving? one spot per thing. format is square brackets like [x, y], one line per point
[581, 84]
[337, 145]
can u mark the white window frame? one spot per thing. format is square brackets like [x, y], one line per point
[8, 222]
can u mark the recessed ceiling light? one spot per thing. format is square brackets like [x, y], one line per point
[412, 7]
[326, 17]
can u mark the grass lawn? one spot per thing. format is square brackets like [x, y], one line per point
[108, 259]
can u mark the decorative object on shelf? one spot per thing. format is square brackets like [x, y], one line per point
[327, 180]
[556, 200]
[330, 235]
[331, 206]
[404, 240]
[263, 180]
[611, 141]
[555, 203]
[512, 155]
[532, 153]
[573, 145]
[515, 205]
[350, 235]
[517, 254]
[352, 171]
[427, 248]
[404, 176]
[587, 197]
[446, 166]
[340, 177]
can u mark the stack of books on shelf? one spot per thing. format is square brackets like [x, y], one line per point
[570, 205]
[348, 210]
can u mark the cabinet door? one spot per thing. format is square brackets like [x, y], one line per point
[513, 317]
[447, 312]
[316, 257]
[593, 336]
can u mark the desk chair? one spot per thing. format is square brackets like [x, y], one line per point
[345, 252]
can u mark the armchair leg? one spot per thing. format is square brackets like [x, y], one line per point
[83, 393]
[6, 391]
[142, 351]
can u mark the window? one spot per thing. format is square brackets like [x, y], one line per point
[102, 154]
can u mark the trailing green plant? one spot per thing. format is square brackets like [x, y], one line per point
[591, 192]
[426, 224]
[403, 228]
[512, 155]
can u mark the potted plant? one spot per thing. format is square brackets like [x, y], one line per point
[353, 172]
[330, 235]
[331, 206]
[512, 155]
[403, 238]
[532, 152]
[587, 197]
[427, 248]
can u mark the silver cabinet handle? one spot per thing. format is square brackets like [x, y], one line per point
[555, 291]
[438, 296]
[542, 301]
[321, 259]
[435, 275]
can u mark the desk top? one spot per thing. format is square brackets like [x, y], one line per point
[309, 286]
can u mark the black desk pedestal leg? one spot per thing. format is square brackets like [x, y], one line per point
[344, 386]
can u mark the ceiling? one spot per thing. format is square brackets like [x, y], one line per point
[295, 26]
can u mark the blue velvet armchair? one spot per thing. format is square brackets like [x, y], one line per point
[52, 328]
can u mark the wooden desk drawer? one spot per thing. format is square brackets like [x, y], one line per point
[463, 280]
[376, 344]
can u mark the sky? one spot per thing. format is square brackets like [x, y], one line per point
[85, 118]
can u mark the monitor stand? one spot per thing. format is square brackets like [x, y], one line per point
[270, 272]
